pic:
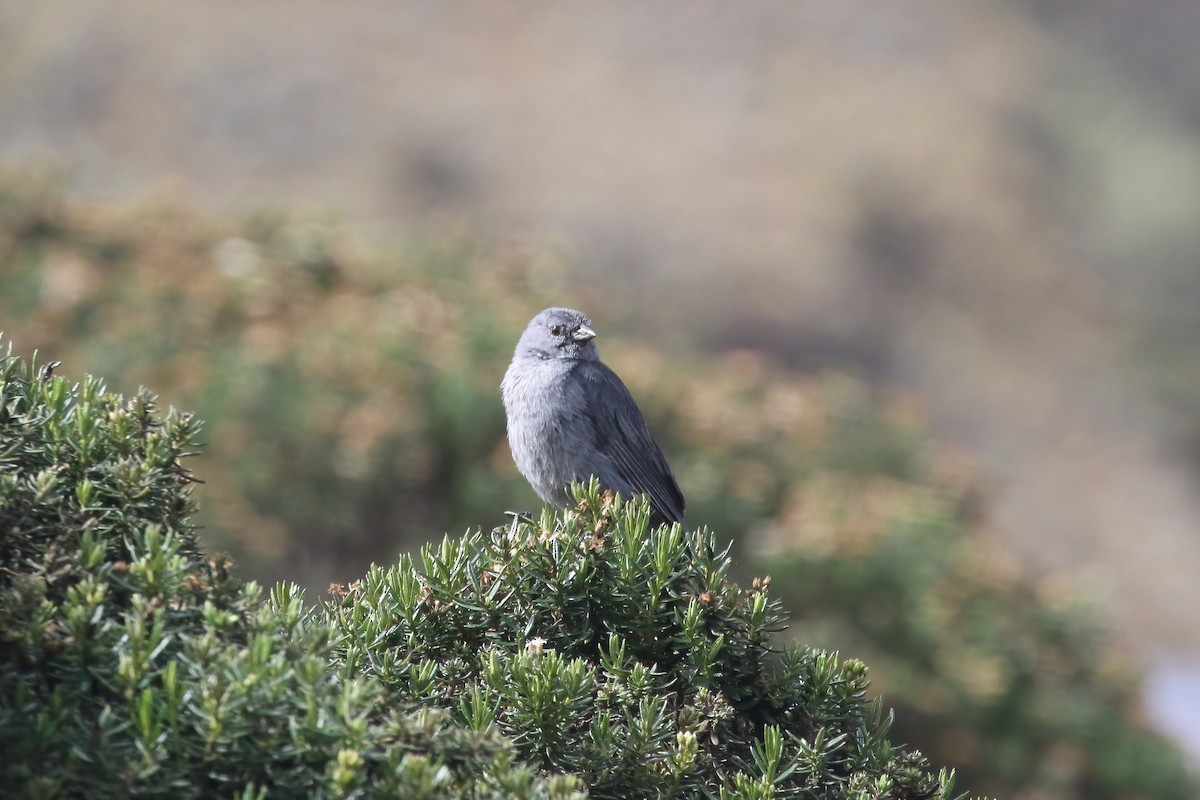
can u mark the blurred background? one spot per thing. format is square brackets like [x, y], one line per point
[908, 287]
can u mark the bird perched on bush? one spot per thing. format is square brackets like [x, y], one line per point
[570, 417]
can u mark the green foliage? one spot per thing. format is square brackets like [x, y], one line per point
[132, 667]
[624, 655]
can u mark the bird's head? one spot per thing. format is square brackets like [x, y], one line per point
[559, 333]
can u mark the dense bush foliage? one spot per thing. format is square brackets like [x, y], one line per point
[351, 407]
[625, 655]
[132, 667]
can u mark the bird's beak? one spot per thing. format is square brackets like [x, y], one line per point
[583, 334]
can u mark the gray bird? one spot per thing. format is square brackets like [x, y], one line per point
[570, 417]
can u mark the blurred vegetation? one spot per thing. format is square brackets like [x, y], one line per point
[134, 667]
[352, 409]
[1008, 677]
[345, 393]
[351, 396]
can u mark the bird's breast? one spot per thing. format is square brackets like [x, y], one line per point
[544, 423]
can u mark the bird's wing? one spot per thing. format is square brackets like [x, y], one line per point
[620, 433]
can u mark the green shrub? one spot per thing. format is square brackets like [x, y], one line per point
[130, 666]
[627, 656]
[596, 652]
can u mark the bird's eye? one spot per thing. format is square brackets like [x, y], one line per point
[556, 330]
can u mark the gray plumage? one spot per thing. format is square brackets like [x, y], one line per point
[570, 417]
